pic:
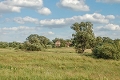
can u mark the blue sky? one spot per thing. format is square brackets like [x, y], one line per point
[53, 18]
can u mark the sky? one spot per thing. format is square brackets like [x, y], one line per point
[53, 18]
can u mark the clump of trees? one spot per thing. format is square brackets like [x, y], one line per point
[10, 44]
[4, 45]
[108, 49]
[35, 42]
[83, 38]
[102, 47]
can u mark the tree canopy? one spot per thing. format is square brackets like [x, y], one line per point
[35, 42]
[83, 36]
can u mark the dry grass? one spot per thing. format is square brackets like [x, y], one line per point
[88, 51]
[55, 64]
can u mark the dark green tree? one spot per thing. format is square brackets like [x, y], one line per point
[14, 44]
[107, 39]
[83, 36]
[35, 42]
[108, 50]
[4, 44]
[98, 40]
[44, 41]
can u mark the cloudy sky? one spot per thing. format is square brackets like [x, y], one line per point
[53, 18]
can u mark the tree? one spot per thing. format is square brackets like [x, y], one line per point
[108, 50]
[98, 40]
[4, 45]
[44, 41]
[35, 42]
[14, 44]
[83, 36]
[33, 38]
[107, 39]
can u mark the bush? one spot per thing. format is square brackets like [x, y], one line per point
[4, 45]
[107, 50]
[33, 47]
[49, 46]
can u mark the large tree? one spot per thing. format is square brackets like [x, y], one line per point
[83, 36]
[35, 42]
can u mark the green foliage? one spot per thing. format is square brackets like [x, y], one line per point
[107, 39]
[14, 44]
[36, 43]
[4, 45]
[98, 40]
[108, 50]
[83, 36]
[49, 46]
[33, 46]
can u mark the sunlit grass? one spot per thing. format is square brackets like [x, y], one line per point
[55, 64]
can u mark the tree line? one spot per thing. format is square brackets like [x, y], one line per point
[83, 38]
[35, 42]
[102, 47]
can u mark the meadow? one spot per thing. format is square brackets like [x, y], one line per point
[55, 64]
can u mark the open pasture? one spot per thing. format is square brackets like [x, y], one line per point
[55, 64]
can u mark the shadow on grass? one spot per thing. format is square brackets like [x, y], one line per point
[95, 57]
[88, 55]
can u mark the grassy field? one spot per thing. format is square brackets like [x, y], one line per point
[55, 64]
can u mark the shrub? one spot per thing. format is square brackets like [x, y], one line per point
[4, 45]
[33, 47]
[49, 46]
[107, 50]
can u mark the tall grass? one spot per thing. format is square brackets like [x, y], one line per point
[55, 64]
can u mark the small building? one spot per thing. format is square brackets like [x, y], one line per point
[68, 44]
[57, 43]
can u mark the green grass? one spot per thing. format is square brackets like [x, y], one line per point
[55, 64]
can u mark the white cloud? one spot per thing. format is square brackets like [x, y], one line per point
[50, 32]
[44, 11]
[16, 28]
[19, 33]
[94, 18]
[26, 19]
[77, 5]
[16, 6]
[112, 27]
[52, 22]
[110, 16]
[24, 3]
[7, 8]
[109, 1]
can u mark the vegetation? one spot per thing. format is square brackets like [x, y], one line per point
[36, 43]
[109, 49]
[83, 36]
[62, 41]
[55, 64]
[4, 45]
[38, 59]
[102, 47]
